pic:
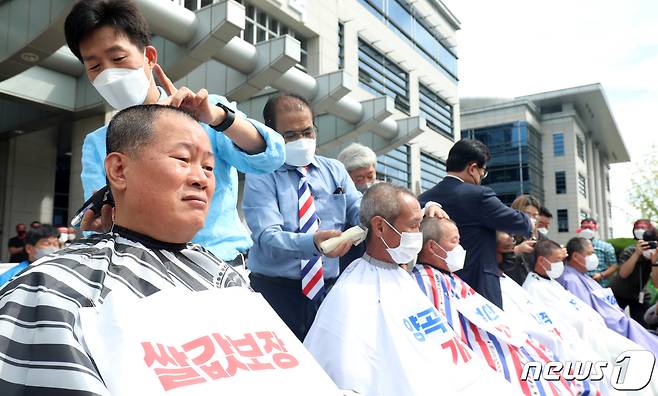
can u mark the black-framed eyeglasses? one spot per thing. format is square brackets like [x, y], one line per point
[309, 132]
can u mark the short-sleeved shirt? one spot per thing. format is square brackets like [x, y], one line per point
[630, 287]
[14, 243]
[606, 254]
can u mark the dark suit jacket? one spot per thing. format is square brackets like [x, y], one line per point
[478, 214]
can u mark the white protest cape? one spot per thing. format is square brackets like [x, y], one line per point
[183, 343]
[376, 333]
[584, 322]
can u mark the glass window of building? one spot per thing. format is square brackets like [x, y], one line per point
[341, 45]
[582, 185]
[580, 148]
[260, 26]
[558, 144]
[382, 77]
[412, 27]
[432, 171]
[561, 182]
[609, 210]
[437, 112]
[394, 167]
[607, 182]
[562, 220]
[516, 165]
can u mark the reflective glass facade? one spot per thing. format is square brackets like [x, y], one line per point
[437, 112]
[558, 144]
[432, 171]
[393, 167]
[516, 159]
[400, 17]
[382, 77]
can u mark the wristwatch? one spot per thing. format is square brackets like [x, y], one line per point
[228, 121]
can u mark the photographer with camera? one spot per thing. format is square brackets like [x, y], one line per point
[638, 266]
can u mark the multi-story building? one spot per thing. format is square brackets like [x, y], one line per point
[557, 146]
[380, 72]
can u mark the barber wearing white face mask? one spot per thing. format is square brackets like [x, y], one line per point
[291, 211]
[112, 40]
[39, 242]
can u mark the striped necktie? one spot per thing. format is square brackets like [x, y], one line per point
[312, 273]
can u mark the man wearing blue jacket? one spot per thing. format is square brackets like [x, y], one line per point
[478, 214]
[112, 40]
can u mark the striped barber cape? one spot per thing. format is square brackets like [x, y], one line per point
[42, 351]
[447, 292]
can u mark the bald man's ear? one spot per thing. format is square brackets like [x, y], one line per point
[115, 170]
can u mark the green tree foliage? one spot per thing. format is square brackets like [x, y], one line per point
[644, 186]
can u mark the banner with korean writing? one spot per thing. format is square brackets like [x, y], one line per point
[224, 341]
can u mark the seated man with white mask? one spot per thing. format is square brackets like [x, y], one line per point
[376, 333]
[492, 334]
[160, 171]
[582, 259]
[112, 40]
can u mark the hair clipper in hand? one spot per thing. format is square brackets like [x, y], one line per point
[95, 204]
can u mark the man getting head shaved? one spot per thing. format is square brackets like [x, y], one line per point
[376, 333]
[491, 333]
[159, 167]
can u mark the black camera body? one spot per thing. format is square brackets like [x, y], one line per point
[652, 244]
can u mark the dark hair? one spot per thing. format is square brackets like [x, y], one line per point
[650, 235]
[576, 244]
[466, 151]
[589, 219]
[286, 101]
[132, 128]
[36, 234]
[543, 211]
[35, 224]
[544, 248]
[89, 15]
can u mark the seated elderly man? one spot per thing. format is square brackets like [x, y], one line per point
[376, 333]
[575, 279]
[491, 333]
[564, 305]
[160, 170]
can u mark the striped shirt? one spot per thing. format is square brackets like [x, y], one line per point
[445, 289]
[42, 350]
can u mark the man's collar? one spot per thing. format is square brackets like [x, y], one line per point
[378, 263]
[314, 163]
[455, 177]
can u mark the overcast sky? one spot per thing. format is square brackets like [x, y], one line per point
[517, 47]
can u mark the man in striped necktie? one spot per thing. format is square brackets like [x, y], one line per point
[291, 211]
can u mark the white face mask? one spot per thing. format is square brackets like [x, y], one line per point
[591, 262]
[586, 233]
[638, 233]
[411, 243]
[122, 88]
[300, 152]
[556, 270]
[455, 259]
[543, 231]
[648, 253]
[43, 252]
